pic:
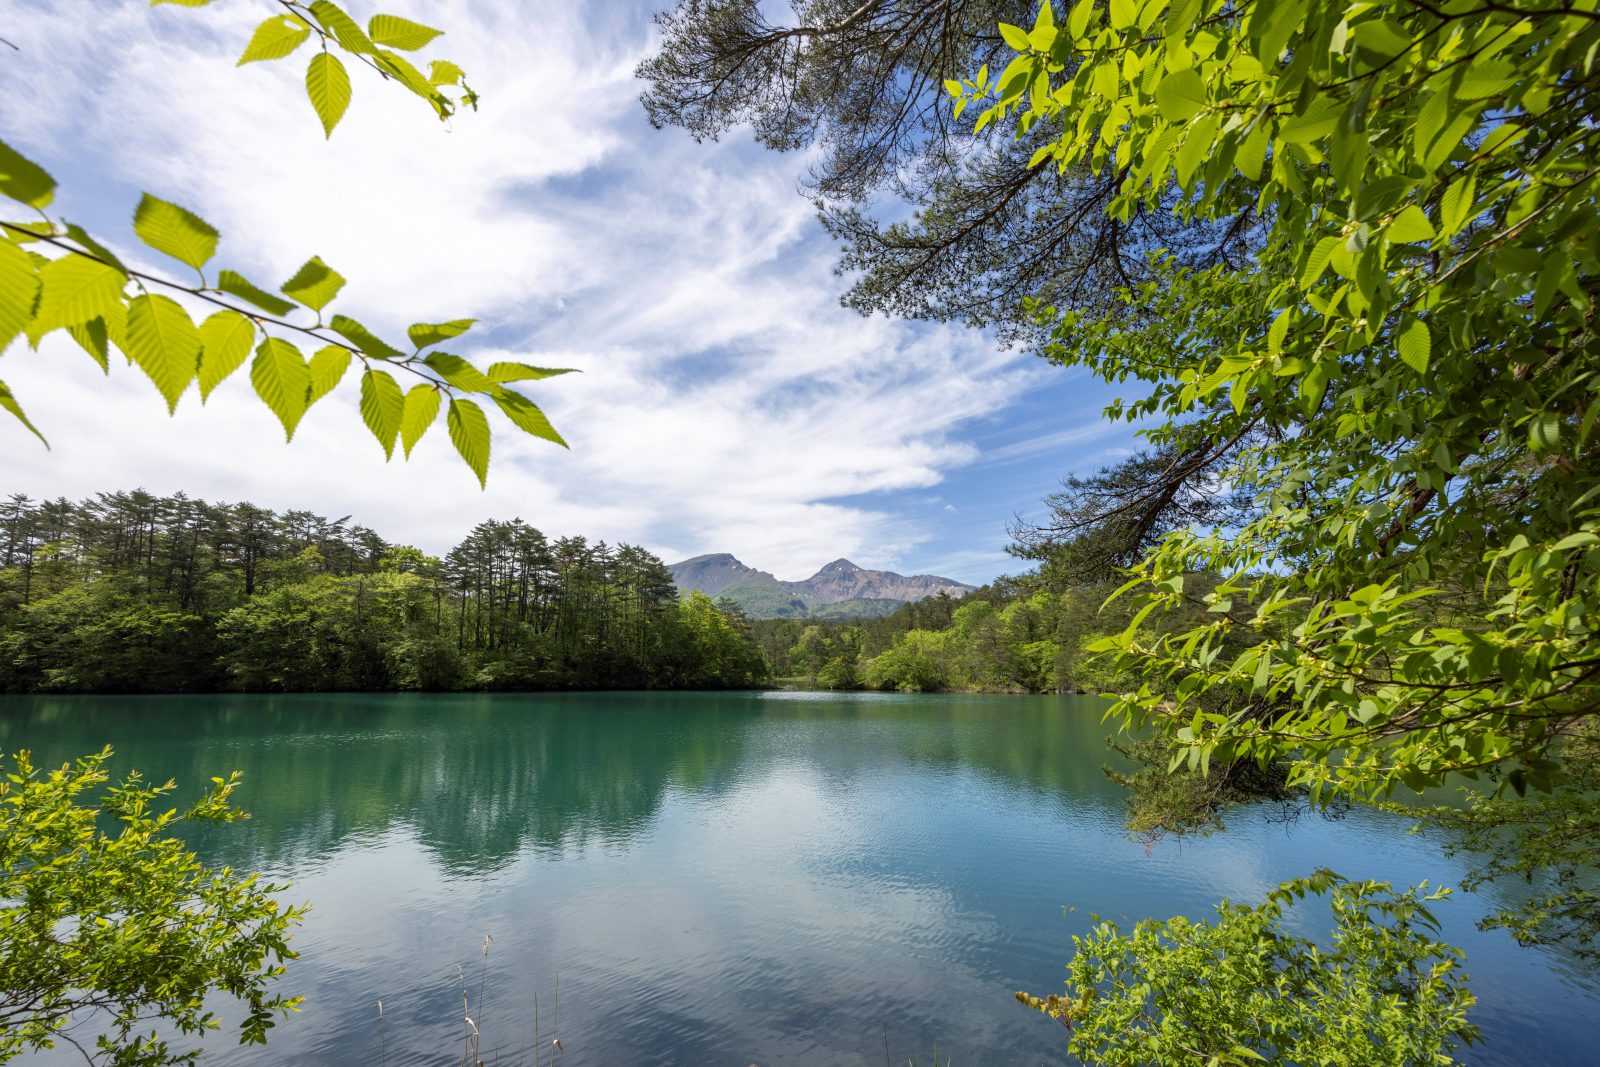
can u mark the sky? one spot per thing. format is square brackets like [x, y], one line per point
[727, 402]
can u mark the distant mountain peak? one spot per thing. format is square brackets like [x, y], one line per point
[713, 557]
[849, 589]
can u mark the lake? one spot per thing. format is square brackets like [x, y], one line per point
[745, 878]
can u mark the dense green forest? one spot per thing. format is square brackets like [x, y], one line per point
[131, 592]
[1028, 634]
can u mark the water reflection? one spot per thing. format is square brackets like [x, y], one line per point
[728, 878]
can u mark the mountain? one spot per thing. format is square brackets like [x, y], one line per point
[839, 590]
[712, 574]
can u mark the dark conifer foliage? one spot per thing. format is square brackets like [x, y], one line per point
[131, 592]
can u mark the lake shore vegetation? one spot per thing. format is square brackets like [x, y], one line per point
[129, 592]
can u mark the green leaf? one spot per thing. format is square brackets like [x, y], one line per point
[421, 408]
[526, 416]
[93, 247]
[423, 334]
[1181, 95]
[521, 372]
[8, 401]
[1015, 36]
[76, 289]
[327, 367]
[1317, 122]
[1124, 13]
[163, 342]
[1078, 21]
[1416, 345]
[282, 379]
[1252, 153]
[19, 291]
[24, 180]
[225, 339]
[1318, 261]
[314, 284]
[1277, 332]
[241, 287]
[180, 233]
[396, 32]
[1410, 225]
[382, 408]
[458, 372]
[275, 38]
[1455, 209]
[1544, 432]
[444, 72]
[328, 86]
[1314, 385]
[469, 432]
[400, 69]
[92, 338]
[1447, 142]
[345, 29]
[1198, 143]
[364, 338]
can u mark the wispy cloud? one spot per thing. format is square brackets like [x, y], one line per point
[727, 402]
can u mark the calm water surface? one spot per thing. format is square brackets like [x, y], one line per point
[724, 879]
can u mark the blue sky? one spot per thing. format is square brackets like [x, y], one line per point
[728, 403]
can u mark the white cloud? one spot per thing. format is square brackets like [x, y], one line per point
[727, 402]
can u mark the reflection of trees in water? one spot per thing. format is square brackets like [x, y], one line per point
[479, 779]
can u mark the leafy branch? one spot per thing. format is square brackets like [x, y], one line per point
[327, 80]
[85, 291]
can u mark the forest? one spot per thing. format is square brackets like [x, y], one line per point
[131, 592]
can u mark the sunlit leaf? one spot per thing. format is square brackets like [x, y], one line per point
[275, 38]
[469, 432]
[327, 367]
[225, 340]
[421, 408]
[345, 29]
[423, 334]
[87, 242]
[382, 408]
[1416, 345]
[178, 232]
[526, 416]
[458, 372]
[314, 284]
[522, 372]
[24, 180]
[328, 86]
[8, 402]
[363, 338]
[396, 32]
[19, 291]
[163, 342]
[1181, 95]
[76, 289]
[241, 287]
[91, 337]
[282, 379]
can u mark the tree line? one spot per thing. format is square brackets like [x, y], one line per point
[1025, 634]
[133, 592]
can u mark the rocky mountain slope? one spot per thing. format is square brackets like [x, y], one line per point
[839, 590]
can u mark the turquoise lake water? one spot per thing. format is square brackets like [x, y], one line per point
[748, 878]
